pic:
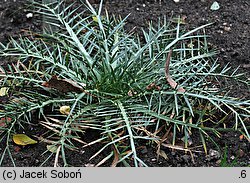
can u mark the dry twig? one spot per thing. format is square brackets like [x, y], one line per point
[171, 82]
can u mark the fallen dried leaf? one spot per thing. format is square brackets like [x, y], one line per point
[52, 148]
[150, 86]
[163, 154]
[65, 110]
[241, 153]
[95, 19]
[22, 139]
[17, 148]
[241, 137]
[4, 121]
[153, 86]
[64, 85]
[4, 91]
[170, 81]
[116, 157]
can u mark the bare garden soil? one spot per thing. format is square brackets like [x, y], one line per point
[230, 35]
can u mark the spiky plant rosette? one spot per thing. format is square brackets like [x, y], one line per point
[89, 73]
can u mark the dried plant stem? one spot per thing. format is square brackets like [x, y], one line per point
[171, 82]
[57, 156]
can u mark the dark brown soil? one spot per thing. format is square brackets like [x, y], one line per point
[230, 35]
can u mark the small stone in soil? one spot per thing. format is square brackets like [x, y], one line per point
[82, 151]
[232, 157]
[153, 160]
[89, 165]
[227, 29]
[29, 15]
[213, 154]
[218, 161]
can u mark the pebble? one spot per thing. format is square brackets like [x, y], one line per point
[246, 65]
[218, 162]
[153, 160]
[159, 163]
[89, 165]
[29, 15]
[227, 29]
[82, 151]
[220, 31]
[213, 154]
[176, 1]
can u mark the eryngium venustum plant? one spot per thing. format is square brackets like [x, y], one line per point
[132, 90]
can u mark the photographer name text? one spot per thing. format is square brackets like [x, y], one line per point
[43, 174]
